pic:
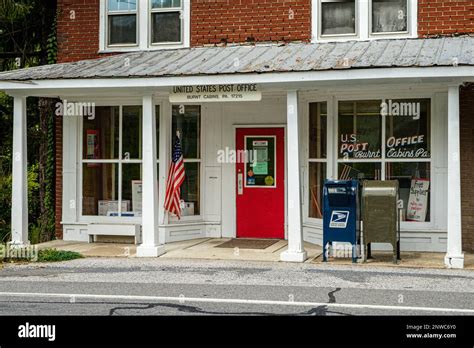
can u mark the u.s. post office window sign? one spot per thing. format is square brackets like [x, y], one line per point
[215, 93]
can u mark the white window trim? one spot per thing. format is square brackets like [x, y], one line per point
[144, 29]
[363, 24]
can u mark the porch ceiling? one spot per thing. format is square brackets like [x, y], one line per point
[259, 59]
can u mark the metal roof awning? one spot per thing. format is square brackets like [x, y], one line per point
[196, 64]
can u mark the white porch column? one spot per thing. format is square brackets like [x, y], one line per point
[19, 175]
[295, 252]
[150, 246]
[165, 150]
[454, 257]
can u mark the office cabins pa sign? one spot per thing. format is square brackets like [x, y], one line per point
[215, 93]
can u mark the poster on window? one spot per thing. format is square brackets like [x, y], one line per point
[418, 200]
[260, 164]
[137, 196]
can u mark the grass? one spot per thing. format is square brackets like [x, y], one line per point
[53, 255]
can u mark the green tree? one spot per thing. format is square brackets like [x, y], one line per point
[28, 38]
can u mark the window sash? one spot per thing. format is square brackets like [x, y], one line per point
[109, 32]
[407, 17]
[320, 19]
[120, 162]
[171, 9]
[152, 22]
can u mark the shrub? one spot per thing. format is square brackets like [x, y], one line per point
[53, 255]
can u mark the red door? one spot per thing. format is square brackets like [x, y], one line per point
[260, 174]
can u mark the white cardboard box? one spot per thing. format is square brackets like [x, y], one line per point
[137, 195]
[187, 208]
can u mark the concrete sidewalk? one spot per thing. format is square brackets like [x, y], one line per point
[205, 248]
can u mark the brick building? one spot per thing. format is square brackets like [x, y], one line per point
[335, 62]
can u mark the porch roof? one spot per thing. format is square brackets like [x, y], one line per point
[259, 59]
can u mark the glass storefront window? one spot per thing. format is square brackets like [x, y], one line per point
[317, 161]
[111, 164]
[407, 126]
[317, 175]
[360, 171]
[186, 122]
[190, 193]
[132, 188]
[360, 130]
[100, 189]
[415, 188]
[101, 134]
[132, 132]
[401, 150]
[317, 130]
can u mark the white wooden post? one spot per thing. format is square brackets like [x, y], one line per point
[454, 256]
[295, 252]
[19, 215]
[150, 246]
[165, 159]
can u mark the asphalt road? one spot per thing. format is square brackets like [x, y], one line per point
[198, 287]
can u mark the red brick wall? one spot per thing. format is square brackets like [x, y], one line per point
[467, 159]
[78, 30]
[216, 21]
[445, 17]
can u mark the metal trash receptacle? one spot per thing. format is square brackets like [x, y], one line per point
[341, 220]
[380, 215]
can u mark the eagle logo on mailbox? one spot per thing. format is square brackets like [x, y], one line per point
[339, 219]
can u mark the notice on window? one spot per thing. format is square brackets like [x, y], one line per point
[260, 164]
[418, 200]
[137, 196]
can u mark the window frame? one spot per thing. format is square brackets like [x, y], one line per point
[363, 23]
[120, 161]
[144, 29]
[172, 219]
[320, 21]
[332, 160]
[393, 33]
[326, 161]
[109, 13]
[151, 11]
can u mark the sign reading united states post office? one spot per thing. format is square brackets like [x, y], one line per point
[215, 93]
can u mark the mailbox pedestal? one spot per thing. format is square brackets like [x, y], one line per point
[380, 215]
[341, 221]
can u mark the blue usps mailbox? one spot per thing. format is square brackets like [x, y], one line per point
[341, 221]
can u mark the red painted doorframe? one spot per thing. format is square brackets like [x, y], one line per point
[260, 204]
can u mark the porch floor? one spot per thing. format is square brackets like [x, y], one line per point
[205, 248]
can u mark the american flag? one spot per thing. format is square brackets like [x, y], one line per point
[175, 180]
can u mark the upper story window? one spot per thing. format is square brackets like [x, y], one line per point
[335, 20]
[122, 22]
[338, 17]
[128, 25]
[166, 21]
[389, 16]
